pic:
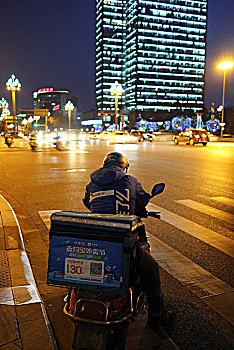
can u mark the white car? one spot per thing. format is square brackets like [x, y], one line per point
[93, 135]
[104, 135]
[118, 136]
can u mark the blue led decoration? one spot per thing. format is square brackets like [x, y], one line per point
[213, 125]
[112, 127]
[177, 123]
[142, 125]
[153, 126]
[98, 128]
[167, 125]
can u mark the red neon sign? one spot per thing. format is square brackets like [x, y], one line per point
[55, 108]
[45, 90]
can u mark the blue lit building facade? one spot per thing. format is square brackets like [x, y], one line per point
[156, 50]
[109, 51]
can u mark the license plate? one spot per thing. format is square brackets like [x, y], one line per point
[90, 340]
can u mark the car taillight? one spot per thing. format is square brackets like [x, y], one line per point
[118, 305]
[90, 309]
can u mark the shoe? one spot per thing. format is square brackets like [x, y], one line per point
[165, 319]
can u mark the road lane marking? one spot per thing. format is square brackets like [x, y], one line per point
[225, 200]
[182, 269]
[193, 276]
[219, 214]
[45, 215]
[224, 244]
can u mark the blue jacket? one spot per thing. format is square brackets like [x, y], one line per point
[112, 191]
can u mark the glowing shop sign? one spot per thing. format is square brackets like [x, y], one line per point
[57, 107]
[45, 90]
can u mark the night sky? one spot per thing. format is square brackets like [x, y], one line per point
[51, 43]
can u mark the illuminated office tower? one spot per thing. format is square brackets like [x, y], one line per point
[109, 51]
[163, 52]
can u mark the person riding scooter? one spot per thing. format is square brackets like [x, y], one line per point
[33, 141]
[58, 143]
[112, 191]
[8, 140]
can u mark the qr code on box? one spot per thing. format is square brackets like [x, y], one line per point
[96, 268]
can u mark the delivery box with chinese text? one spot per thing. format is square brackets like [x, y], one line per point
[91, 251]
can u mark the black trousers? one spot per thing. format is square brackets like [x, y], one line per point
[150, 281]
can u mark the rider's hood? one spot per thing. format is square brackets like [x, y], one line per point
[107, 175]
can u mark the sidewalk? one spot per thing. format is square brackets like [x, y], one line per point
[23, 319]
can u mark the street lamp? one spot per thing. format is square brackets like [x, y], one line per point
[13, 85]
[116, 90]
[3, 103]
[5, 112]
[69, 107]
[224, 65]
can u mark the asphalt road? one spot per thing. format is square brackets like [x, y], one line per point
[197, 224]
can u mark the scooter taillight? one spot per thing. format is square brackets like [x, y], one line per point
[90, 309]
[118, 305]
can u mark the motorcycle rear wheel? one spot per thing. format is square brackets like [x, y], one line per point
[89, 337]
[117, 337]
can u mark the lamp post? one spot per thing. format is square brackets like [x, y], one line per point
[117, 91]
[13, 85]
[69, 107]
[3, 104]
[5, 112]
[224, 65]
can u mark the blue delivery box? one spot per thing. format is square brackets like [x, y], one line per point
[91, 251]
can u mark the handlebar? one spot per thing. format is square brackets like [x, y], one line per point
[154, 214]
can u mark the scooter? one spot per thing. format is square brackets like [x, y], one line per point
[9, 140]
[58, 145]
[102, 319]
[33, 144]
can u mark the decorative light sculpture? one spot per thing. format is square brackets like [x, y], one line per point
[117, 91]
[13, 85]
[224, 65]
[69, 107]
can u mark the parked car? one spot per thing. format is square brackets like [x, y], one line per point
[192, 137]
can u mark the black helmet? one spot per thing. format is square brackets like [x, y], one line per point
[117, 159]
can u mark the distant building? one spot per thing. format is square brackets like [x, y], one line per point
[55, 101]
[49, 98]
[156, 50]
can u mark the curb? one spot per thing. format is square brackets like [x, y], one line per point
[20, 301]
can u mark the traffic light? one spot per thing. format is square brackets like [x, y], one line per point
[35, 125]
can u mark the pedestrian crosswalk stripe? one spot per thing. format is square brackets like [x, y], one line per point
[180, 267]
[193, 276]
[185, 270]
[45, 215]
[204, 234]
[224, 200]
[219, 214]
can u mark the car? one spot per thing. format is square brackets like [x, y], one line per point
[93, 135]
[118, 136]
[139, 134]
[73, 134]
[192, 137]
[143, 135]
[104, 135]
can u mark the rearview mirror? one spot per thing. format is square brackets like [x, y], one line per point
[157, 189]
